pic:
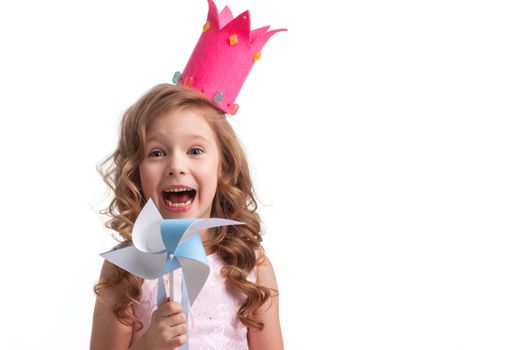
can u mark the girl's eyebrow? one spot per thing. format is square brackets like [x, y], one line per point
[198, 137]
[158, 136]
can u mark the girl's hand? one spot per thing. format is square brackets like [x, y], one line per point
[167, 329]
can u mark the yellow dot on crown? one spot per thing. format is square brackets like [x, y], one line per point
[257, 56]
[206, 26]
[233, 39]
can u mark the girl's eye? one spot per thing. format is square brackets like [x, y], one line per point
[195, 151]
[156, 153]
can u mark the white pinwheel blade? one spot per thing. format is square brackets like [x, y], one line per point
[195, 275]
[142, 264]
[146, 231]
[203, 224]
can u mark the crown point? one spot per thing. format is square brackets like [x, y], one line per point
[257, 56]
[234, 109]
[206, 26]
[218, 97]
[233, 39]
[176, 77]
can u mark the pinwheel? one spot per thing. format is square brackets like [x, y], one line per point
[163, 246]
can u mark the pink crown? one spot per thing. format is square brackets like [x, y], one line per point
[224, 56]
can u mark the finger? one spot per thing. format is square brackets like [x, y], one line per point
[170, 308]
[172, 326]
[176, 320]
[178, 341]
[166, 310]
[178, 330]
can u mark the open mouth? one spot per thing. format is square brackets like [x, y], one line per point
[179, 197]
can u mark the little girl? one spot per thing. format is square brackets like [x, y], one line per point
[177, 148]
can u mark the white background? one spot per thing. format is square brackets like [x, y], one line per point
[386, 144]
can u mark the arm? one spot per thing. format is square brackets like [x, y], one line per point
[270, 338]
[108, 333]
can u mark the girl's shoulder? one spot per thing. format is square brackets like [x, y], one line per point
[264, 272]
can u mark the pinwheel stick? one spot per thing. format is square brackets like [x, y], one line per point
[172, 285]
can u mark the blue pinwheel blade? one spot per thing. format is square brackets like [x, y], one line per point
[192, 248]
[172, 231]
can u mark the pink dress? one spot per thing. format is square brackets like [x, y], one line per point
[213, 322]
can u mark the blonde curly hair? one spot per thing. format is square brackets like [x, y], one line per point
[238, 246]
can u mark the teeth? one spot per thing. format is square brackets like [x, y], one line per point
[179, 189]
[178, 205]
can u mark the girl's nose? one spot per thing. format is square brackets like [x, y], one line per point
[175, 171]
[176, 167]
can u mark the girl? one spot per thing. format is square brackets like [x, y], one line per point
[178, 149]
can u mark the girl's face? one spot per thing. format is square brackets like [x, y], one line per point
[180, 169]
